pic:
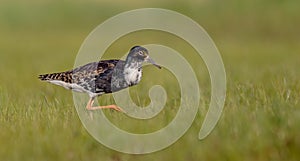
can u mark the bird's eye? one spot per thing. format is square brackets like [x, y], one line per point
[141, 53]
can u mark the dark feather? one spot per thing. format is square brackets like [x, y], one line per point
[95, 77]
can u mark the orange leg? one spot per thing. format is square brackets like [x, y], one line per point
[89, 106]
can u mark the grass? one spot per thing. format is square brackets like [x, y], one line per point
[259, 44]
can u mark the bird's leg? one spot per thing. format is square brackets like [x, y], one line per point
[90, 103]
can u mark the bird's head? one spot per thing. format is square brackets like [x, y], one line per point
[140, 54]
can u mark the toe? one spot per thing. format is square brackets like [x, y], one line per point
[118, 109]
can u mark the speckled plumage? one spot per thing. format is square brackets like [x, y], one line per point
[105, 76]
[94, 77]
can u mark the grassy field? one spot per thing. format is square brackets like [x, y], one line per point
[259, 43]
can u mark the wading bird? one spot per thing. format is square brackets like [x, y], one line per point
[105, 76]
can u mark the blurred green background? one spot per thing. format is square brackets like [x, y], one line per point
[259, 43]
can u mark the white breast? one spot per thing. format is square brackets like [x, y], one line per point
[132, 76]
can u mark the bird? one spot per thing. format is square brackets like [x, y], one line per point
[104, 76]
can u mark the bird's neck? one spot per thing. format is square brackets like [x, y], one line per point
[132, 72]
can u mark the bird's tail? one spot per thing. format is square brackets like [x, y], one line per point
[64, 76]
[48, 77]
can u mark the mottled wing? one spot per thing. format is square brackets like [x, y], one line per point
[95, 77]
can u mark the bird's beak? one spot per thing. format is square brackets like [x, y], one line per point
[149, 60]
